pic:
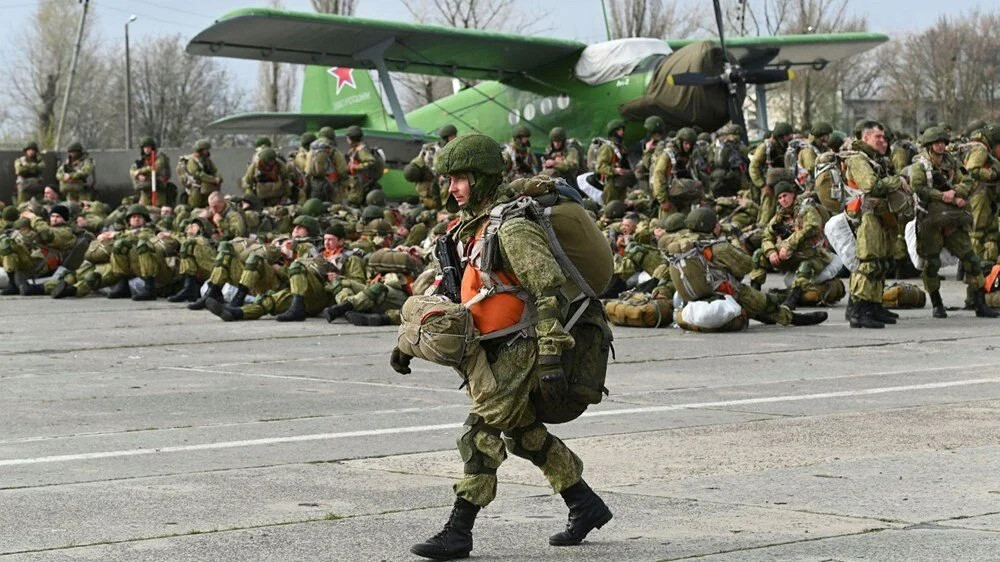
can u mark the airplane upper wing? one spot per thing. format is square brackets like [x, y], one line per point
[795, 50]
[332, 40]
[287, 123]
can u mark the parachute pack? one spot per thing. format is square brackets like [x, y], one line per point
[831, 181]
[693, 274]
[904, 295]
[319, 159]
[640, 310]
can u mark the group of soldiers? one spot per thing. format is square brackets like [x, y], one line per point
[300, 239]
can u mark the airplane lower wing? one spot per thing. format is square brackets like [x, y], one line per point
[332, 40]
[281, 123]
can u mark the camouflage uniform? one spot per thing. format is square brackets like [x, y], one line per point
[75, 175]
[421, 172]
[199, 176]
[729, 174]
[267, 178]
[673, 163]
[520, 160]
[984, 169]
[361, 166]
[335, 180]
[565, 159]
[29, 174]
[612, 154]
[769, 154]
[144, 167]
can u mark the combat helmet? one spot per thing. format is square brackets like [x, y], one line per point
[974, 126]
[614, 210]
[701, 219]
[30, 145]
[781, 129]
[370, 213]
[327, 133]
[687, 134]
[933, 135]
[654, 124]
[521, 131]
[262, 141]
[75, 147]
[147, 141]
[613, 126]
[267, 155]
[375, 197]
[138, 209]
[202, 144]
[673, 222]
[306, 139]
[354, 132]
[308, 222]
[446, 131]
[477, 156]
[557, 134]
[822, 128]
[313, 207]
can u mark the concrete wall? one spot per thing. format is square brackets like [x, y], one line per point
[113, 181]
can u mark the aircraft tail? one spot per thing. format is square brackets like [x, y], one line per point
[340, 90]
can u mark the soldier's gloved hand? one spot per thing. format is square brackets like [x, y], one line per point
[400, 362]
[552, 381]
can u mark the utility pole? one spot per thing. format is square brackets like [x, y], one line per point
[72, 74]
[128, 88]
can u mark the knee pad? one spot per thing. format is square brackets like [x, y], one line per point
[376, 292]
[972, 264]
[758, 257]
[296, 268]
[143, 247]
[806, 270]
[932, 264]
[253, 262]
[225, 248]
[476, 461]
[527, 442]
[121, 246]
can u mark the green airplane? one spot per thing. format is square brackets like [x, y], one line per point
[506, 80]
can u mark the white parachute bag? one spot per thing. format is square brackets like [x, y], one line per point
[838, 232]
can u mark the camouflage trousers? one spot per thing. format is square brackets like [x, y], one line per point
[301, 282]
[762, 305]
[805, 265]
[500, 380]
[768, 204]
[985, 235]
[75, 192]
[930, 242]
[196, 257]
[875, 241]
[197, 199]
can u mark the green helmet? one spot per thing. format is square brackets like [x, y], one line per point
[354, 132]
[991, 134]
[933, 135]
[822, 128]
[615, 209]
[75, 147]
[31, 144]
[654, 124]
[147, 141]
[687, 134]
[945, 125]
[10, 213]
[138, 210]
[614, 125]
[377, 227]
[309, 222]
[370, 213]
[446, 131]
[375, 197]
[784, 187]
[781, 129]
[203, 224]
[267, 155]
[202, 144]
[557, 134]
[673, 222]
[262, 141]
[837, 139]
[313, 207]
[413, 173]
[704, 137]
[701, 219]
[974, 126]
[471, 152]
[521, 131]
[306, 139]
[327, 133]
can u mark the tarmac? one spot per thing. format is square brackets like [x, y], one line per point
[144, 431]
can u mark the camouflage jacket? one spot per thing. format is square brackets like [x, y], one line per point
[798, 228]
[143, 167]
[80, 171]
[868, 173]
[769, 154]
[931, 175]
[25, 167]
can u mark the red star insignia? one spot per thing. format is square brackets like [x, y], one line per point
[344, 76]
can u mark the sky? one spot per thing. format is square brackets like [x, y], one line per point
[581, 19]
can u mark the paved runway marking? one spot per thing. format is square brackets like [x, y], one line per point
[317, 379]
[438, 427]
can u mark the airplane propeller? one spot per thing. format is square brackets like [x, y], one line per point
[733, 76]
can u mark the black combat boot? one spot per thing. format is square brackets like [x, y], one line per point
[862, 316]
[223, 310]
[214, 292]
[793, 298]
[982, 309]
[586, 512]
[882, 314]
[29, 289]
[849, 310]
[239, 299]
[970, 298]
[755, 285]
[938, 305]
[296, 312]
[808, 318]
[367, 318]
[189, 291]
[11, 288]
[331, 313]
[120, 290]
[63, 289]
[455, 540]
[146, 290]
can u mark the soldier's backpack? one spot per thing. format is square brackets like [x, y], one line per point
[640, 310]
[799, 174]
[693, 275]
[319, 159]
[592, 150]
[825, 293]
[831, 180]
[388, 260]
[904, 295]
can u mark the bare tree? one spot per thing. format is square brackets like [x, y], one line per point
[177, 94]
[277, 82]
[651, 18]
[342, 7]
[41, 69]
